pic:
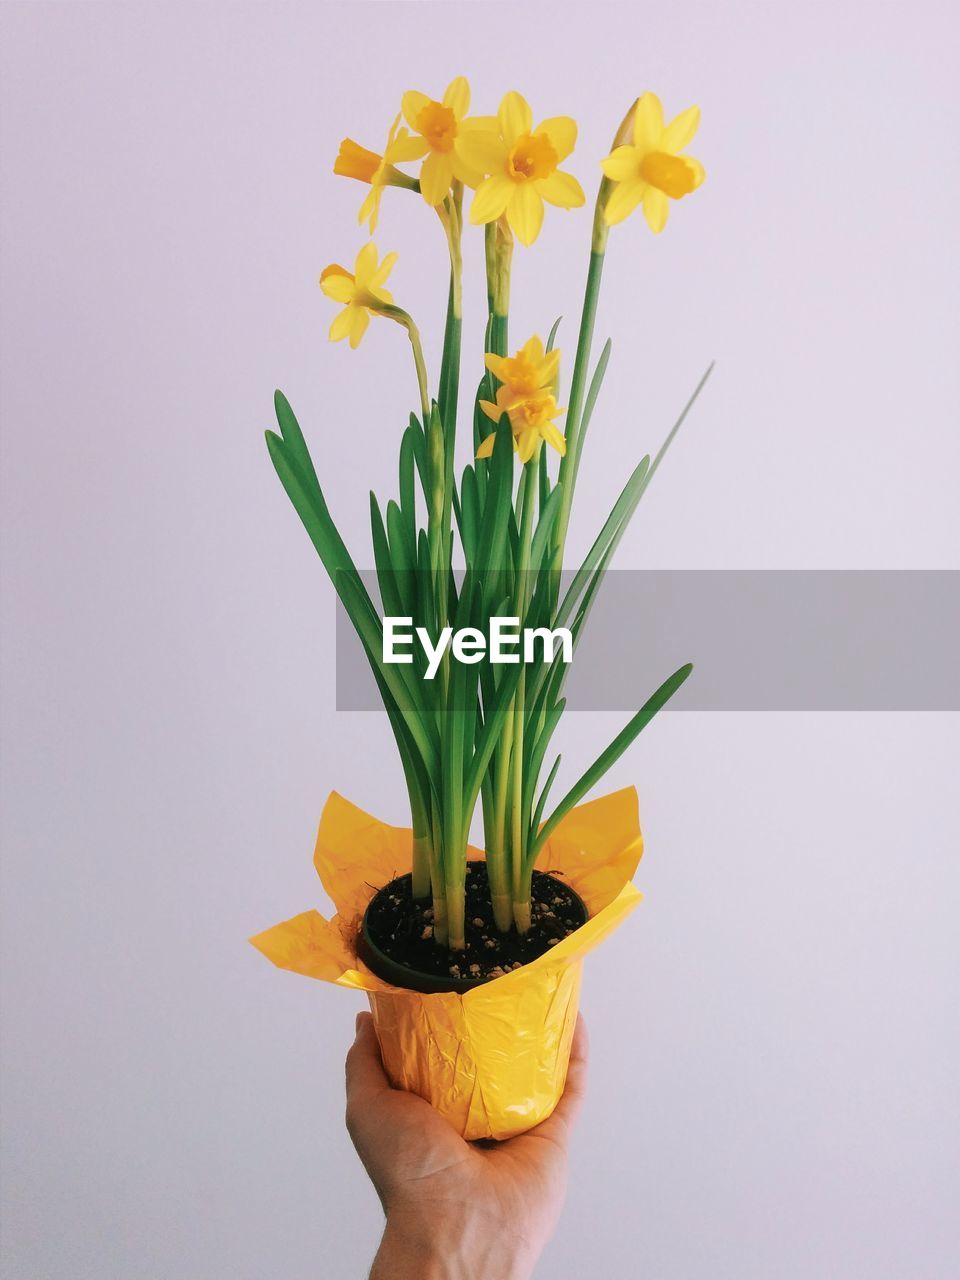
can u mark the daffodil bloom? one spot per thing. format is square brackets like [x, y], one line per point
[354, 161]
[437, 137]
[522, 163]
[650, 169]
[384, 173]
[360, 291]
[531, 420]
[526, 373]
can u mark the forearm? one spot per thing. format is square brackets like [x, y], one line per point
[419, 1249]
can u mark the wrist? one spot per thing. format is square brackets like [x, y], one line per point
[450, 1244]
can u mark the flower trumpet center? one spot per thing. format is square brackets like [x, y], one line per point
[522, 375]
[533, 412]
[532, 156]
[673, 175]
[438, 125]
[335, 269]
[357, 162]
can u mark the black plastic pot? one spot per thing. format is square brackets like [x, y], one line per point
[412, 979]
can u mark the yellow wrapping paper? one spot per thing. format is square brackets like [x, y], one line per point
[494, 1060]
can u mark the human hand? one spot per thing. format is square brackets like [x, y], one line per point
[457, 1210]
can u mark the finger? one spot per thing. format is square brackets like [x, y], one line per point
[364, 1070]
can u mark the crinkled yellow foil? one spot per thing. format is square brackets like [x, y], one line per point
[493, 1061]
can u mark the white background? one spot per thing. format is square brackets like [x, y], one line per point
[774, 1033]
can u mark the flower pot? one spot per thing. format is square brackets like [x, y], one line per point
[492, 1059]
[396, 934]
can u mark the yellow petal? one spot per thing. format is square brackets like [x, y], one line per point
[515, 117]
[508, 399]
[551, 367]
[533, 349]
[490, 124]
[457, 97]
[562, 132]
[365, 265]
[624, 198]
[562, 190]
[342, 323]
[358, 325]
[382, 272]
[463, 172]
[656, 209]
[370, 209]
[436, 174]
[486, 445]
[679, 133]
[525, 211]
[491, 198]
[622, 163]
[384, 295]
[554, 438]
[496, 365]
[699, 173]
[407, 148]
[493, 411]
[412, 104]
[527, 442]
[648, 122]
[482, 150]
[337, 285]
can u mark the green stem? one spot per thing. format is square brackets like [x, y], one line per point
[450, 217]
[570, 462]
[497, 850]
[421, 367]
[517, 816]
[391, 312]
[498, 241]
[438, 882]
[528, 493]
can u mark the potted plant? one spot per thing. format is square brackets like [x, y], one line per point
[471, 958]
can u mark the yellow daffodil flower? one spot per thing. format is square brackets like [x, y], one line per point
[531, 420]
[384, 174]
[528, 372]
[359, 291]
[354, 161]
[650, 169]
[522, 163]
[438, 130]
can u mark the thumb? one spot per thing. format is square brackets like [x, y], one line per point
[365, 1076]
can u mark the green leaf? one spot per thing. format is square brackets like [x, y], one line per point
[490, 734]
[408, 461]
[612, 531]
[498, 507]
[293, 437]
[534, 762]
[610, 756]
[544, 479]
[596, 382]
[540, 547]
[406, 691]
[386, 574]
[538, 811]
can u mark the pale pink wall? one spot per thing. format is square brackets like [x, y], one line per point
[773, 1088]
